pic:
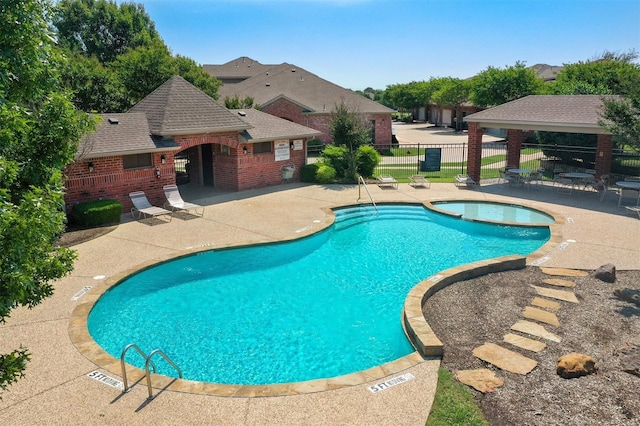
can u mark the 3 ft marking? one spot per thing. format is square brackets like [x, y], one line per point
[101, 377]
[391, 382]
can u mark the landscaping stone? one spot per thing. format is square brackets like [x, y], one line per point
[567, 296]
[505, 359]
[540, 315]
[630, 358]
[546, 303]
[575, 365]
[559, 282]
[524, 342]
[606, 273]
[535, 329]
[482, 379]
[565, 272]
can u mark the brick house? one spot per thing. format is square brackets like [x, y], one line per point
[293, 93]
[180, 134]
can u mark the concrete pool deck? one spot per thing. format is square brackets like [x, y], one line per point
[57, 389]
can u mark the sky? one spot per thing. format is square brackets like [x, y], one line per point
[376, 43]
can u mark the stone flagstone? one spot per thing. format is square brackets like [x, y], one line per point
[540, 315]
[481, 379]
[524, 342]
[505, 359]
[559, 282]
[567, 296]
[564, 272]
[535, 329]
[546, 303]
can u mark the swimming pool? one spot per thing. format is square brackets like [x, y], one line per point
[496, 212]
[322, 306]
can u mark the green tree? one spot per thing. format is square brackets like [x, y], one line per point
[495, 86]
[348, 130]
[189, 69]
[103, 29]
[38, 138]
[452, 92]
[236, 102]
[622, 118]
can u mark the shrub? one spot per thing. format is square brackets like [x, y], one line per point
[308, 172]
[367, 158]
[96, 213]
[336, 157]
[325, 174]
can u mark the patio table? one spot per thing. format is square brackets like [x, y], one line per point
[519, 175]
[580, 178]
[630, 184]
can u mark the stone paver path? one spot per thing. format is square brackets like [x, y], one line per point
[505, 359]
[559, 282]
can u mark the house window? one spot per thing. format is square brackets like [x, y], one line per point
[136, 161]
[262, 148]
[224, 149]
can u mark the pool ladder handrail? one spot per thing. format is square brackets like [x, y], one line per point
[361, 181]
[147, 362]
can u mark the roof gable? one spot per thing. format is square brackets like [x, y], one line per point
[178, 108]
[301, 87]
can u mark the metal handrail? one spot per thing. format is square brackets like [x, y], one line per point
[361, 180]
[146, 368]
[124, 370]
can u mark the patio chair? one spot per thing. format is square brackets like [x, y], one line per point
[175, 201]
[601, 186]
[633, 194]
[564, 184]
[465, 181]
[534, 178]
[387, 180]
[143, 207]
[419, 180]
[634, 209]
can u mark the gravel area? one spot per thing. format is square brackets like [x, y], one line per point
[467, 314]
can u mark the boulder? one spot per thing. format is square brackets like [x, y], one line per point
[575, 365]
[630, 358]
[606, 273]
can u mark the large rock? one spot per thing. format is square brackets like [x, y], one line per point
[606, 273]
[575, 365]
[483, 379]
[630, 358]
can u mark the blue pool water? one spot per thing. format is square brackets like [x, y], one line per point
[498, 212]
[322, 306]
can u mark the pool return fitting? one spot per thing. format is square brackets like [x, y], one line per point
[147, 362]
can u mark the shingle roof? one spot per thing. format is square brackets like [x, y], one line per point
[178, 108]
[240, 68]
[563, 113]
[121, 134]
[267, 127]
[312, 93]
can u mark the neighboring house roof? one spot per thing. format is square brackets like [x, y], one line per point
[555, 113]
[546, 72]
[179, 108]
[267, 127]
[286, 81]
[237, 69]
[121, 134]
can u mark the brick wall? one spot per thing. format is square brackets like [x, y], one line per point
[474, 160]
[233, 170]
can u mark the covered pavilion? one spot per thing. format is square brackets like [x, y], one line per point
[550, 113]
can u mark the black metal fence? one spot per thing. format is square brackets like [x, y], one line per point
[444, 161]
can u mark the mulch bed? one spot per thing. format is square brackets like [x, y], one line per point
[467, 314]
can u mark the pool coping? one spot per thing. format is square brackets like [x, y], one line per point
[416, 328]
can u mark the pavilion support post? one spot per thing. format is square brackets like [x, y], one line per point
[474, 160]
[513, 147]
[604, 155]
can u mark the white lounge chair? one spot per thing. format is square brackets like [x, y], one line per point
[419, 180]
[634, 209]
[464, 180]
[175, 201]
[143, 207]
[386, 180]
